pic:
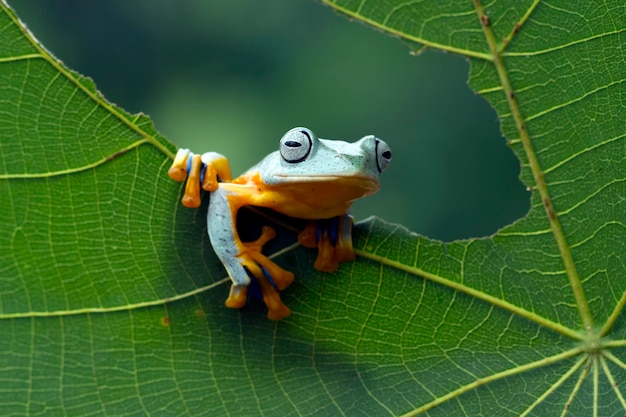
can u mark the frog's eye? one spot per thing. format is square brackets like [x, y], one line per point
[296, 145]
[383, 155]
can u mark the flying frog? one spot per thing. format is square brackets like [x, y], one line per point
[307, 178]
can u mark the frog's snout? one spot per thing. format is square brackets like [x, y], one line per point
[371, 145]
[383, 155]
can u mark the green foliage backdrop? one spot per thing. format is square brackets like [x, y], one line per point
[111, 300]
[212, 78]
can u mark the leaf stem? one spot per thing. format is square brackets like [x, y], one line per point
[541, 186]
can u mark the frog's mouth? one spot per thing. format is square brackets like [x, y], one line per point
[318, 196]
[303, 196]
[351, 187]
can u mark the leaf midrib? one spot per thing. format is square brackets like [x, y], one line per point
[496, 57]
[540, 183]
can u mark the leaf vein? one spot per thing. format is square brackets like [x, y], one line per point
[563, 46]
[577, 99]
[583, 151]
[542, 321]
[67, 171]
[20, 58]
[404, 35]
[495, 377]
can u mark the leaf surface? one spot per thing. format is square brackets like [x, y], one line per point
[111, 300]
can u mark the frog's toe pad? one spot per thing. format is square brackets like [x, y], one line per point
[325, 264]
[344, 252]
[333, 239]
[279, 278]
[237, 297]
[266, 279]
[277, 310]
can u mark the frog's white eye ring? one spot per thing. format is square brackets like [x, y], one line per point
[295, 145]
[383, 155]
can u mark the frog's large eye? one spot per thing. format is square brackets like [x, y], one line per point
[383, 155]
[296, 145]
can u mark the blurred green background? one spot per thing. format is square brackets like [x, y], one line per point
[233, 75]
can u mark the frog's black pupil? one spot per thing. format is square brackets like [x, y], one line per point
[387, 154]
[293, 144]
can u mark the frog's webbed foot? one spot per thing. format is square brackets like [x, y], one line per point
[265, 276]
[333, 238]
[200, 171]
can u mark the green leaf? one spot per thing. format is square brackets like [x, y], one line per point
[111, 301]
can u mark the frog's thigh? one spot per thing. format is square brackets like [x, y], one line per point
[223, 235]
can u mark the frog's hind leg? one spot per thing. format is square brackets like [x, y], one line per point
[270, 277]
[244, 261]
[333, 239]
[277, 276]
[256, 267]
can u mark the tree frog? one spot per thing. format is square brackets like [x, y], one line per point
[307, 178]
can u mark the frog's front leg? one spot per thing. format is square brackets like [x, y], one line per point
[333, 238]
[243, 260]
[202, 171]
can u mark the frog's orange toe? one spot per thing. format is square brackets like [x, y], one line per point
[277, 276]
[237, 297]
[307, 237]
[278, 312]
[333, 240]
[191, 198]
[325, 261]
[178, 170]
[276, 309]
[343, 253]
[191, 201]
[270, 277]
[261, 266]
[209, 182]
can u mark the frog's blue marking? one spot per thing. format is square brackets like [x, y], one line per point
[189, 157]
[318, 232]
[330, 226]
[268, 276]
[254, 289]
[202, 169]
[334, 230]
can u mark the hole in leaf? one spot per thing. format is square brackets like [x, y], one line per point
[210, 86]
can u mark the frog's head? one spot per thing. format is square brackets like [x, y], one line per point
[326, 169]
